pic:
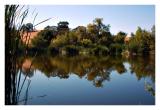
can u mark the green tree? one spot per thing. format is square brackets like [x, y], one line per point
[72, 38]
[101, 27]
[133, 45]
[152, 40]
[63, 27]
[138, 34]
[153, 30]
[119, 38]
[92, 32]
[60, 41]
[116, 48]
[143, 42]
[43, 39]
[81, 33]
[98, 22]
[86, 42]
[27, 27]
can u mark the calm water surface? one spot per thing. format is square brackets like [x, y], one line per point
[62, 80]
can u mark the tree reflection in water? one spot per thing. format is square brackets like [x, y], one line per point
[95, 69]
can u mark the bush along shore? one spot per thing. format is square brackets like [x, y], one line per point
[95, 39]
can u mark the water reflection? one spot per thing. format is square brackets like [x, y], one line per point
[143, 67]
[97, 70]
[93, 67]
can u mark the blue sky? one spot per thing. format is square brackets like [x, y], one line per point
[121, 17]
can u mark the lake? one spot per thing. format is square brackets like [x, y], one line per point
[86, 80]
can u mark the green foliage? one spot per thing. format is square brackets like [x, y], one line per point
[63, 27]
[60, 41]
[143, 42]
[64, 39]
[119, 38]
[92, 31]
[100, 50]
[72, 37]
[103, 41]
[101, 27]
[27, 27]
[92, 28]
[153, 30]
[71, 49]
[95, 38]
[81, 33]
[14, 17]
[43, 39]
[133, 46]
[22, 46]
[86, 42]
[98, 21]
[116, 48]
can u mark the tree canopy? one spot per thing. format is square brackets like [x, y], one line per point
[95, 37]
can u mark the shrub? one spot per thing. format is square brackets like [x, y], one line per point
[60, 41]
[116, 48]
[86, 42]
[43, 39]
[100, 50]
[71, 49]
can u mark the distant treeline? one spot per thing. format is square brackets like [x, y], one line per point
[96, 39]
